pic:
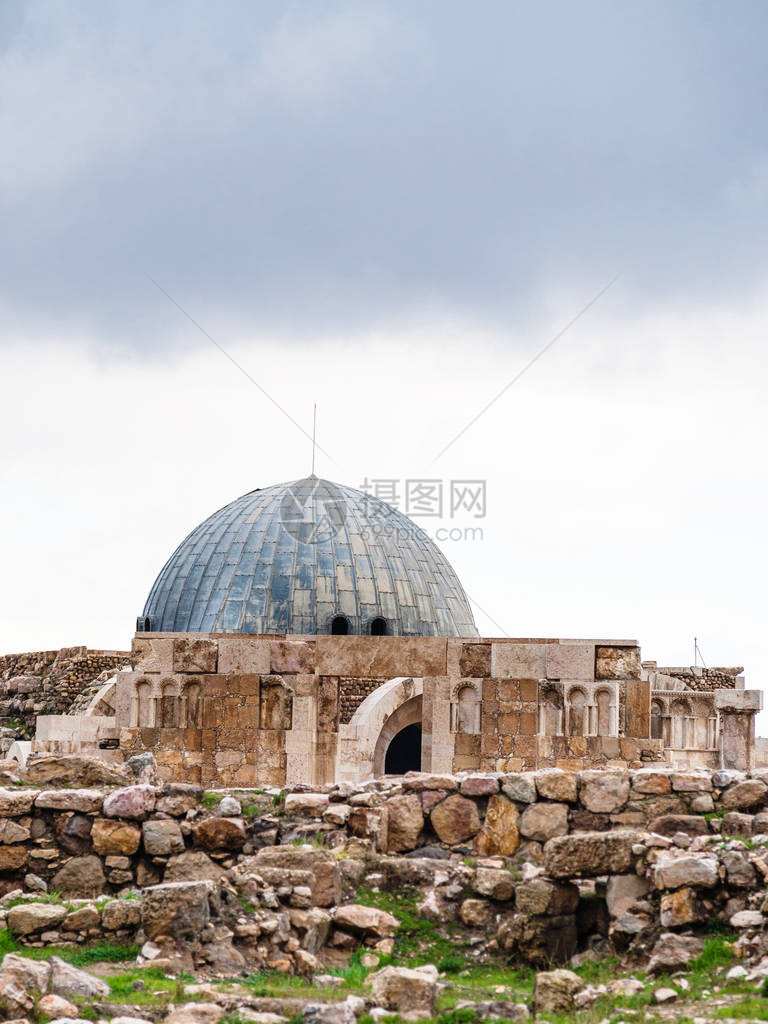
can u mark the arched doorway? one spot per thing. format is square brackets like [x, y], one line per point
[404, 751]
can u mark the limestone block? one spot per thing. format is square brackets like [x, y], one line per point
[292, 657]
[518, 661]
[500, 834]
[152, 654]
[455, 819]
[622, 891]
[475, 660]
[543, 821]
[672, 871]
[87, 801]
[162, 838]
[112, 837]
[543, 896]
[177, 909]
[244, 655]
[35, 917]
[495, 883]
[617, 662]
[368, 657]
[637, 706]
[604, 791]
[200, 655]
[556, 784]
[81, 877]
[405, 821]
[590, 854]
[570, 661]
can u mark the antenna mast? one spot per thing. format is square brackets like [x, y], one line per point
[314, 435]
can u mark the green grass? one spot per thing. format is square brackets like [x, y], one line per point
[717, 953]
[148, 986]
[754, 1008]
[80, 957]
[417, 940]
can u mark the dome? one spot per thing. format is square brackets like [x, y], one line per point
[308, 557]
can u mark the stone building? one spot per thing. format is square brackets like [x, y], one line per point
[308, 633]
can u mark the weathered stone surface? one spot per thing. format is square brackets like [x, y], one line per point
[404, 990]
[219, 834]
[35, 917]
[324, 868]
[354, 917]
[119, 914]
[76, 770]
[692, 780]
[476, 913]
[312, 804]
[193, 866]
[747, 919]
[195, 655]
[555, 784]
[195, 1013]
[134, 802]
[672, 952]
[111, 838]
[15, 802]
[538, 939]
[176, 909]
[12, 857]
[499, 835]
[654, 781]
[81, 920]
[622, 891]
[73, 833]
[603, 791]
[455, 819]
[162, 838]
[590, 854]
[554, 991]
[737, 823]
[745, 794]
[617, 663]
[519, 786]
[682, 906]
[543, 821]
[405, 822]
[417, 782]
[80, 877]
[543, 896]
[67, 980]
[87, 801]
[670, 824]
[479, 785]
[739, 872]
[497, 884]
[698, 870]
[53, 1007]
[12, 832]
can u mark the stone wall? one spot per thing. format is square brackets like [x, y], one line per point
[50, 682]
[534, 866]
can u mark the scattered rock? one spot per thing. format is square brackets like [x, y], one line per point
[404, 990]
[455, 819]
[554, 991]
[134, 802]
[365, 920]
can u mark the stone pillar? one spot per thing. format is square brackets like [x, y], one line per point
[737, 710]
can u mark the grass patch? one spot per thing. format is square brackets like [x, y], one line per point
[755, 1008]
[417, 940]
[147, 986]
[81, 957]
[717, 952]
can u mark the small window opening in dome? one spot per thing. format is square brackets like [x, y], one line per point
[339, 626]
[379, 627]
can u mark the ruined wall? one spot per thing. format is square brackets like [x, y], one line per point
[49, 682]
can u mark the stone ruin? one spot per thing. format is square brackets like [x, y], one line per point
[232, 710]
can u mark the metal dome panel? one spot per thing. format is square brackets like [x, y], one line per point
[292, 557]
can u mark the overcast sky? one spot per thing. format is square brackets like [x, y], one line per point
[391, 208]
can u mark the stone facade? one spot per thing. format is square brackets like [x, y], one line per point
[264, 710]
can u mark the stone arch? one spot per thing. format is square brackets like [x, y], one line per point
[104, 700]
[276, 704]
[465, 708]
[359, 752]
[681, 724]
[144, 708]
[407, 714]
[605, 712]
[657, 719]
[577, 712]
[191, 705]
[169, 704]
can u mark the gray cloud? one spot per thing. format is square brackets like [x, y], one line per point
[313, 168]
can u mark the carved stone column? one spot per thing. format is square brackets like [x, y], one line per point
[737, 710]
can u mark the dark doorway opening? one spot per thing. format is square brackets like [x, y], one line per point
[339, 626]
[404, 752]
[379, 627]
